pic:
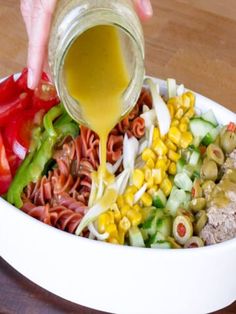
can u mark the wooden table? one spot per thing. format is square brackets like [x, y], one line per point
[191, 40]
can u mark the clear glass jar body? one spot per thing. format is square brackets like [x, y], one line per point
[71, 19]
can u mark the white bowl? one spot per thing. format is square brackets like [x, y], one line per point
[121, 279]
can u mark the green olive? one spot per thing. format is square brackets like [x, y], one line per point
[217, 140]
[197, 190]
[201, 221]
[185, 212]
[228, 141]
[194, 242]
[197, 204]
[209, 170]
[215, 153]
[207, 187]
[182, 229]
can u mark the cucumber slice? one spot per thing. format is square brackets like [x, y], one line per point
[135, 237]
[210, 117]
[180, 165]
[155, 238]
[194, 158]
[210, 137]
[161, 245]
[188, 169]
[176, 198]
[183, 181]
[159, 199]
[164, 226]
[150, 225]
[200, 127]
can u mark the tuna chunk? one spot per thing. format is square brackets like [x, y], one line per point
[221, 209]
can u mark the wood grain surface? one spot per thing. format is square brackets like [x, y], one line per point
[191, 40]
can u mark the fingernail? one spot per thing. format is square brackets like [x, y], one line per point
[30, 79]
[147, 7]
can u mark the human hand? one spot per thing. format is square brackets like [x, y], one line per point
[37, 15]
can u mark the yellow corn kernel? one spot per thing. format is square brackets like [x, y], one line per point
[124, 210]
[179, 113]
[183, 127]
[172, 168]
[190, 113]
[111, 216]
[117, 214]
[113, 241]
[171, 145]
[131, 189]
[112, 230]
[166, 186]
[173, 156]
[147, 173]
[171, 110]
[137, 208]
[161, 163]
[186, 139]
[134, 217]
[175, 122]
[121, 237]
[185, 120]
[124, 224]
[152, 190]
[175, 101]
[158, 175]
[186, 101]
[102, 222]
[129, 198]
[146, 199]
[148, 153]
[174, 135]
[120, 201]
[167, 165]
[138, 178]
[156, 134]
[192, 98]
[160, 148]
[150, 182]
[150, 163]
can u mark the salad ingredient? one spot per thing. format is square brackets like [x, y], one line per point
[197, 204]
[135, 237]
[210, 117]
[215, 153]
[5, 171]
[159, 199]
[201, 221]
[200, 127]
[35, 162]
[194, 242]
[182, 181]
[182, 229]
[209, 170]
[228, 141]
[162, 112]
[221, 206]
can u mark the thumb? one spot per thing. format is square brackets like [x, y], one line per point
[143, 8]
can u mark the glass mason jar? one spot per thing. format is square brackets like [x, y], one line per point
[71, 19]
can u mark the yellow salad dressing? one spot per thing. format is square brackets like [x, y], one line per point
[96, 76]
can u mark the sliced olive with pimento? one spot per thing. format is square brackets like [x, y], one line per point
[196, 189]
[228, 141]
[194, 242]
[215, 153]
[182, 229]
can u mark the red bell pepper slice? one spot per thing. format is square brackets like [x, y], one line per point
[45, 96]
[8, 90]
[10, 109]
[231, 127]
[5, 172]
